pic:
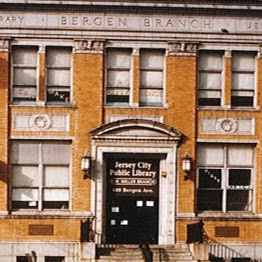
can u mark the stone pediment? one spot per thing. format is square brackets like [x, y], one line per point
[135, 130]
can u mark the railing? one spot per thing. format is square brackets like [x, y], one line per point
[147, 253]
[197, 234]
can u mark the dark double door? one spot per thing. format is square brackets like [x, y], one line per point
[132, 211]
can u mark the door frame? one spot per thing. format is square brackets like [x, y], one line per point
[138, 136]
[133, 197]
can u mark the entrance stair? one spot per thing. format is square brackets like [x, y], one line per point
[144, 253]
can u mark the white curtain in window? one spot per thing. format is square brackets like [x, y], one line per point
[56, 153]
[25, 194]
[210, 81]
[152, 59]
[58, 57]
[210, 155]
[243, 61]
[151, 79]
[56, 195]
[243, 81]
[25, 152]
[56, 176]
[118, 78]
[25, 56]
[58, 77]
[240, 155]
[25, 176]
[119, 58]
[210, 61]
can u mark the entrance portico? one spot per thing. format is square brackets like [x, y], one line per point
[135, 141]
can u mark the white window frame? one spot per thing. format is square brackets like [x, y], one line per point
[225, 187]
[21, 66]
[220, 71]
[117, 69]
[52, 68]
[40, 177]
[162, 70]
[245, 71]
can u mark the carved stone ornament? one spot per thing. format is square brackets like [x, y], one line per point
[89, 45]
[227, 125]
[182, 47]
[4, 44]
[40, 122]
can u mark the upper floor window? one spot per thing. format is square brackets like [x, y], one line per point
[58, 78]
[151, 77]
[25, 79]
[210, 71]
[40, 174]
[243, 79]
[27, 86]
[225, 177]
[118, 74]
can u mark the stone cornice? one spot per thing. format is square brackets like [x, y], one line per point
[225, 10]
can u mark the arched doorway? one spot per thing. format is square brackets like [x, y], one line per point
[134, 182]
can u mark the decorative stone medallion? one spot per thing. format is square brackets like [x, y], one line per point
[227, 125]
[40, 122]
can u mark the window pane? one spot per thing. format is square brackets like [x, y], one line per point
[24, 77]
[209, 60]
[238, 200]
[58, 77]
[152, 59]
[239, 177]
[24, 94]
[118, 78]
[58, 95]
[243, 61]
[24, 55]
[243, 81]
[119, 58]
[209, 200]
[56, 194]
[58, 56]
[151, 97]
[23, 194]
[56, 153]
[210, 154]
[210, 81]
[25, 152]
[55, 176]
[25, 176]
[209, 178]
[240, 155]
[151, 79]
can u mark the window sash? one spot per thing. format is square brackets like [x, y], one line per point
[151, 77]
[228, 168]
[118, 76]
[40, 174]
[24, 73]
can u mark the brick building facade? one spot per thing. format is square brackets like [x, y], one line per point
[136, 87]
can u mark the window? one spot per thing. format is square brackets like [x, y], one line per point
[243, 79]
[118, 67]
[40, 174]
[26, 87]
[151, 77]
[210, 70]
[225, 177]
[24, 70]
[58, 78]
